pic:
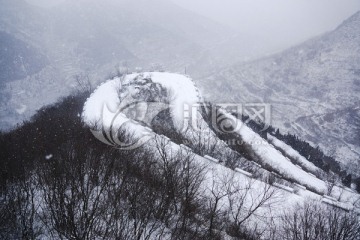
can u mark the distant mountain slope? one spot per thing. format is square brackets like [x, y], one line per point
[313, 88]
[96, 37]
[18, 59]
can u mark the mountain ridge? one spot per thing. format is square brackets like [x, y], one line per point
[92, 40]
[319, 76]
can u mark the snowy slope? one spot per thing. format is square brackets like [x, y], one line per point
[289, 151]
[93, 38]
[313, 89]
[181, 89]
[101, 110]
[271, 156]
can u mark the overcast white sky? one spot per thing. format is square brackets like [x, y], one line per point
[290, 21]
[287, 22]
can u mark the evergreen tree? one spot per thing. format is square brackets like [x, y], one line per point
[347, 180]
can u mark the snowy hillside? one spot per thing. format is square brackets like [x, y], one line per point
[313, 89]
[141, 158]
[92, 40]
[177, 120]
[289, 151]
[105, 113]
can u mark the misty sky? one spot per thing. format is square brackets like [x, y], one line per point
[286, 22]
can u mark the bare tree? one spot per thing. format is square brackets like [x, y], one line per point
[201, 138]
[231, 204]
[330, 180]
[215, 205]
[83, 83]
[247, 200]
[183, 177]
[317, 222]
[73, 185]
[20, 206]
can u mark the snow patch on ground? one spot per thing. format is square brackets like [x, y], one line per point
[302, 161]
[104, 95]
[279, 162]
[181, 88]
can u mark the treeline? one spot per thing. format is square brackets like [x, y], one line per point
[313, 154]
[41, 136]
[316, 156]
[60, 182]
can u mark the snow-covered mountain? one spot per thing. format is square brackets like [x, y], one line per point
[122, 105]
[94, 38]
[165, 147]
[18, 59]
[313, 89]
[119, 104]
[145, 154]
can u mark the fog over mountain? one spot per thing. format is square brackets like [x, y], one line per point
[261, 22]
[313, 89]
[279, 23]
[93, 38]
[55, 43]
[180, 119]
